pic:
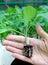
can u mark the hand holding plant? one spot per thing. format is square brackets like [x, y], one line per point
[15, 45]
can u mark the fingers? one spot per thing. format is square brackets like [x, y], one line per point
[41, 32]
[13, 44]
[18, 45]
[16, 38]
[34, 41]
[14, 50]
[21, 57]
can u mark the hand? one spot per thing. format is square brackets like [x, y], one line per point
[15, 45]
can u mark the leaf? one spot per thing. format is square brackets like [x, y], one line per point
[43, 8]
[29, 12]
[10, 10]
[42, 17]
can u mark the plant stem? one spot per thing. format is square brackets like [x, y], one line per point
[18, 32]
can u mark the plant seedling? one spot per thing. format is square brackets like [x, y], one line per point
[28, 50]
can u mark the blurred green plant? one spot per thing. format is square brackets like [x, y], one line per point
[42, 17]
[22, 21]
[16, 20]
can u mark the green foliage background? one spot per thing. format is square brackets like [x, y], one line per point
[22, 21]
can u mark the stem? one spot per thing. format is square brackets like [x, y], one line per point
[26, 33]
[17, 32]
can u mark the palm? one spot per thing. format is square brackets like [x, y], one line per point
[40, 48]
[40, 54]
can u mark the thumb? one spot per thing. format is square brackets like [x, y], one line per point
[41, 32]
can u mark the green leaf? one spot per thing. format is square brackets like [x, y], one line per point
[4, 30]
[42, 17]
[43, 8]
[10, 10]
[29, 12]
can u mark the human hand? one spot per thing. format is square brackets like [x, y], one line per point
[15, 45]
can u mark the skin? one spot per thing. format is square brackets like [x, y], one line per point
[15, 44]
